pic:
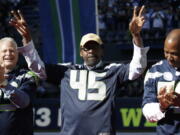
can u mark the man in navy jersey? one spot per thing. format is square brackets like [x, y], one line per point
[17, 89]
[88, 90]
[161, 99]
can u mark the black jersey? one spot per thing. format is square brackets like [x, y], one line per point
[87, 96]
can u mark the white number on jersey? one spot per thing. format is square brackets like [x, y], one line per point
[83, 84]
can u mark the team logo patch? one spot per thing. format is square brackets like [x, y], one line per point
[177, 73]
[14, 84]
[168, 76]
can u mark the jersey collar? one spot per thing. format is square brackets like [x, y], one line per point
[94, 67]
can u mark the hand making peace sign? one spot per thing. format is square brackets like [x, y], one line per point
[21, 26]
[137, 21]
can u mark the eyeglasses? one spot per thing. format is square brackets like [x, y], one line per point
[88, 48]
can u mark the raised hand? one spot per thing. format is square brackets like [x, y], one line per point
[21, 26]
[137, 21]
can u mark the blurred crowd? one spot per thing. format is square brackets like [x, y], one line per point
[114, 17]
[29, 8]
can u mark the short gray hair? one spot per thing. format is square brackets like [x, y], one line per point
[10, 39]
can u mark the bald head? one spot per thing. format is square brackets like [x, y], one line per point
[173, 38]
[172, 48]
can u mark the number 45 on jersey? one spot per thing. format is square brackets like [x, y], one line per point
[85, 82]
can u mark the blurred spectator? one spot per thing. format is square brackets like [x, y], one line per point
[161, 17]
[122, 18]
[111, 3]
[170, 23]
[147, 25]
[110, 23]
[14, 3]
[158, 23]
[102, 24]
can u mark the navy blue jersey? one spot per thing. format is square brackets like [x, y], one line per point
[160, 75]
[13, 119]
[87, 96]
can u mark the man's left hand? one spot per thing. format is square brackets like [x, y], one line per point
[21, 26]
[137, 21]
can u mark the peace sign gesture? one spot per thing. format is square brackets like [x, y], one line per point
[21, 26]
[137, 21]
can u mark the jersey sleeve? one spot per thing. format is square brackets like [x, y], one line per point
[50, 72]
[150, 91]
[21, 90]
[150, 105]
[121, 71]
[138, 63]
[33, 60]
[55, 72]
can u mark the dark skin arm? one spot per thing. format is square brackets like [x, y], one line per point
[176, 99]
[136, 24]
[21, 26]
